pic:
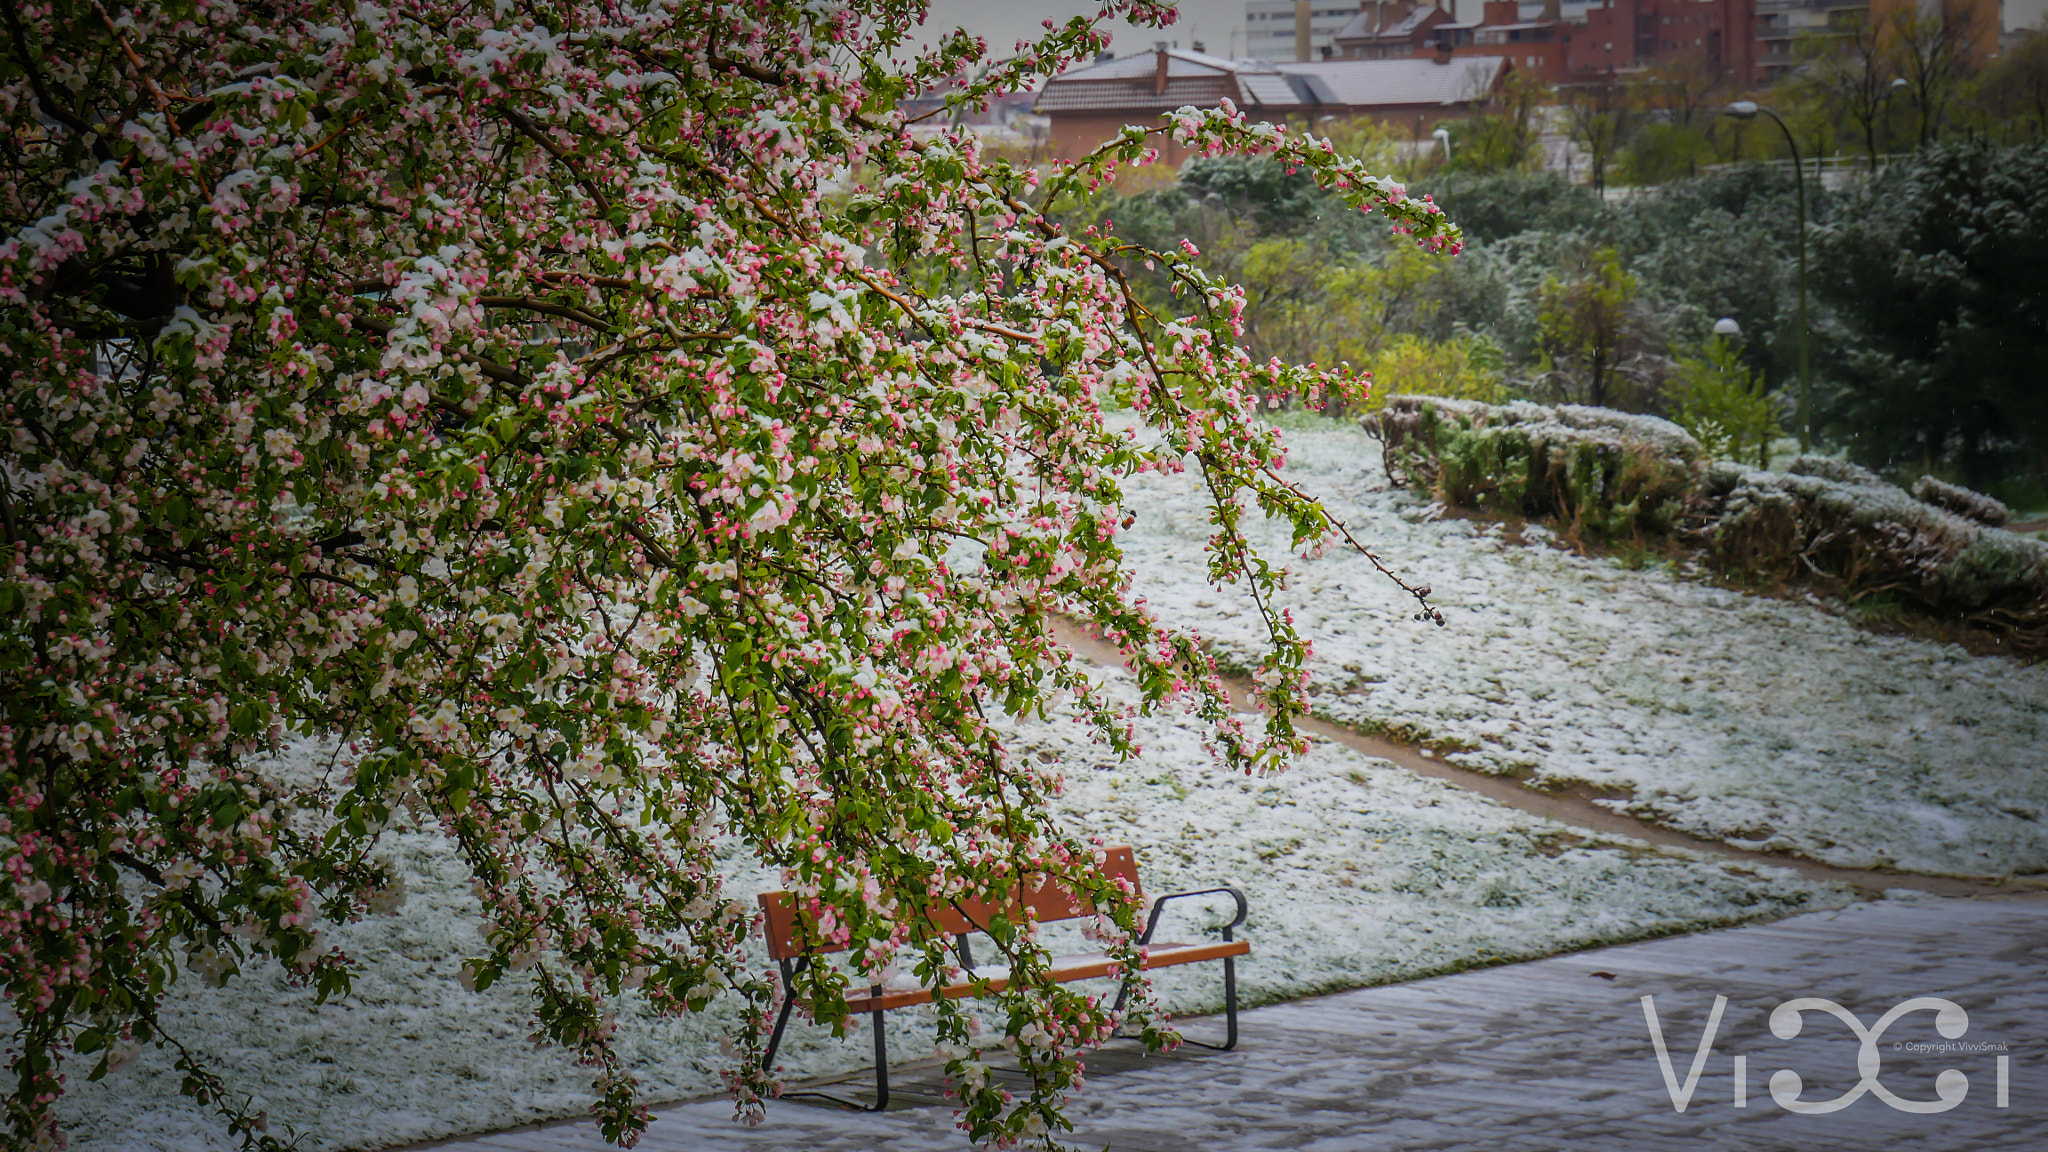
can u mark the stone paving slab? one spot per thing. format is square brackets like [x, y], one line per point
[1545, 1055]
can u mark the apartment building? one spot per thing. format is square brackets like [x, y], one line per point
[1555, 40]
[1721, 34]
[1782, 24]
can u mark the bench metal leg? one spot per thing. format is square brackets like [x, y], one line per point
[789, 972]
[881, 1060]
[1230, 1000]
[881, 1052]
[1229, 1010]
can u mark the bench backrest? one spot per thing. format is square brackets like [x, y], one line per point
[789, 935]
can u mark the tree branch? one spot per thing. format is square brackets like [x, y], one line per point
[529, 305]
[532, 131]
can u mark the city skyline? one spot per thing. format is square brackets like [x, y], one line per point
[1218, 24]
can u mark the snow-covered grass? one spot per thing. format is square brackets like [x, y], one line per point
[1360, 872]
[1357, 872]
[1767, 723]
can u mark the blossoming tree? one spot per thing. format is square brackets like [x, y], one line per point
[616, 426]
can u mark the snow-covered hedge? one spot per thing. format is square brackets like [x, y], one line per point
[1821, 521]
[1962, 501]
[1605, 472]
[1872, 536]
[1839, 471]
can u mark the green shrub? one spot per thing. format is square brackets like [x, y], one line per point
[1465, 367]
[1721, 401]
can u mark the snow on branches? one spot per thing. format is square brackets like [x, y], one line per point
[629, 438]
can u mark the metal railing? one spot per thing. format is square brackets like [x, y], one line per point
[1831, 171]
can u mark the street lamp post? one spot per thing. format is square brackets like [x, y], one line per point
[1443, 137]
[1748, 110]
[1897, 86]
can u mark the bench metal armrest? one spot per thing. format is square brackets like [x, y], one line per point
[1152, 921]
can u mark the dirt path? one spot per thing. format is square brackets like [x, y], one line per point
[1581, 811]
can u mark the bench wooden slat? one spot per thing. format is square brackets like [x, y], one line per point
[1047, 900]
[1081, 966]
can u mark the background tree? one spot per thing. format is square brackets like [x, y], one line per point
[2012, 98]
[532, 401]
[1677, 103]
[1848, 73]
[1662, 151]
[1301, 308]
[1584, 319]
[1684, 90]
[1935, 275]
[1601, 121]
[1721, 245]
[1467, 366]
[1322, 284]
[1931, 48]
[1506, 133]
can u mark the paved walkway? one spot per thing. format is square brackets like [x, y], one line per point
[1552, 1054]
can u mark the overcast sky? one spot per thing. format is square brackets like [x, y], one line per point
[1218, 24]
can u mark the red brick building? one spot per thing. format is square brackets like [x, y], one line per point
[1558, 40]
[1538, 47]
[1634, 33]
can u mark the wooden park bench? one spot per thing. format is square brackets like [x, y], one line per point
[790, 946]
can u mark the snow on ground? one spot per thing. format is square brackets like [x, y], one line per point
[1357, 872]
[1766, 723]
